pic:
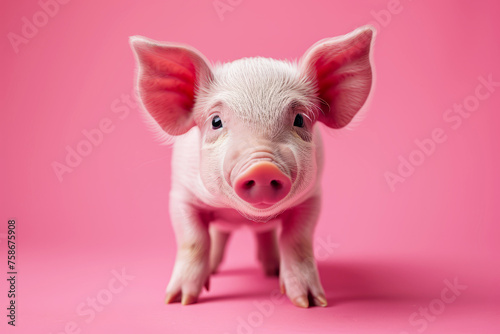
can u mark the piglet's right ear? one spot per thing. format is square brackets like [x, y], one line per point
[168, 78]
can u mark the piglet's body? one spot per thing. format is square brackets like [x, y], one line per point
[248, 151]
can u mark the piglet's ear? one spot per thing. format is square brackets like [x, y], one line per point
[341, 69]
[168, 78]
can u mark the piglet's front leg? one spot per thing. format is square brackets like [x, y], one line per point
[191, 270]
[299, 277]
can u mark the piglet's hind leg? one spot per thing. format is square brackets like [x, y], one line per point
[268, 252]
[218, 241]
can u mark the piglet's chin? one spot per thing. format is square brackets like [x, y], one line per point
[261, 215]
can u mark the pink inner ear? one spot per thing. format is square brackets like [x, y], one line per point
[343, 75]
[168, 80]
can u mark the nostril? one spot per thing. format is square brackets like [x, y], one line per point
[262, 184]
[249, 184]
[276, 184]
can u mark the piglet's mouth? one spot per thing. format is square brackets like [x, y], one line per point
[262, 205]
[262, 184]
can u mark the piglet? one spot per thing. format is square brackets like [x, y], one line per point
[248, 152]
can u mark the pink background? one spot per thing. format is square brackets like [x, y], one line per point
[392, 250]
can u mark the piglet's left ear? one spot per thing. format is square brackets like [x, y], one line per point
[341, 69]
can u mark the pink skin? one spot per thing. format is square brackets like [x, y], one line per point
[262, 184]
[248, 152]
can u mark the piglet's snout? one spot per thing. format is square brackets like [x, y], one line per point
[262, 184]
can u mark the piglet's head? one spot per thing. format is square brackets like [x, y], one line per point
[259, 152]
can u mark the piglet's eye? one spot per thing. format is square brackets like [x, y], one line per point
[299, 121]
[216, 122]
